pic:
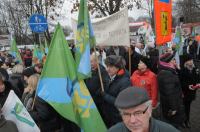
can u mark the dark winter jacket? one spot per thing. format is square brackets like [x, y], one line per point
[45, 116]
[155, 126]
[93, 83]
[17, 83]
[189, 78]
[170, 95]
[120, 82]
[94, 86]
[27, 60]
[169, 87]
[7, 125]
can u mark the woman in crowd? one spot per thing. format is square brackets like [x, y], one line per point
[170, 91]
[119, 80]
[190, 80]
[5, 88]
[145, 78]
[29, 92]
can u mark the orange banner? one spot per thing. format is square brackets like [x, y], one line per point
[163, 20]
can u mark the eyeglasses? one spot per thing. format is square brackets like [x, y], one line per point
[136, 114]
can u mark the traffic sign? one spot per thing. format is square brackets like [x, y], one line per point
[38, 23]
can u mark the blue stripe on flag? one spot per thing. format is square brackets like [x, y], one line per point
[14, 54]
[166, 1]
[84, 61]
[90, 29]
[54, 90]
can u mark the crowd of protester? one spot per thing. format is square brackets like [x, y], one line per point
[170, 87]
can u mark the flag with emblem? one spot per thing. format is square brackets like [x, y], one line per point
[15, 51]
[84, 40]
[59, 86]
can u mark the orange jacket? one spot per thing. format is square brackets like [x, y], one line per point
[147, 80]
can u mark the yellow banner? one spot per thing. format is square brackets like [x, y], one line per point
[164, 23]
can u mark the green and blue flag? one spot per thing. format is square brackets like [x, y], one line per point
[59, 86]
[15, 51]
[84, 40]
[38, 52]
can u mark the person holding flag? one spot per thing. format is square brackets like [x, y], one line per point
[72, 99]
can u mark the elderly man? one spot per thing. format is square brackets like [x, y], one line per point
[135, 107]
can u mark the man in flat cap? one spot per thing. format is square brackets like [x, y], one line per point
[135, 107]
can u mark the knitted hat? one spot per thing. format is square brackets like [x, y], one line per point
[146, 61]
[187, 58]
[167, 57]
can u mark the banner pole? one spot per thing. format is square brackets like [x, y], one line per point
[99, 71]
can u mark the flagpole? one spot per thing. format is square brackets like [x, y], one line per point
[129, 59]
[99, 71]
[34, 100]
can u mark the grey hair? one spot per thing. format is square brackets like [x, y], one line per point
[18, 68]
[148, 103]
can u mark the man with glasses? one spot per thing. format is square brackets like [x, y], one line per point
[135, 107]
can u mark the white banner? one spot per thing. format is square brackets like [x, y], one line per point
[15, 111]
[112, 30]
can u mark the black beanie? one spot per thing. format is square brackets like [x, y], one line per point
[146, 61]
[187, 58]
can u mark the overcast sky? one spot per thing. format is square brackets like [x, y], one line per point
[65, 11]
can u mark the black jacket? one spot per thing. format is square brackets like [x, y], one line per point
[17, 83]
[170, 96]
[169, 87]
[155, 126]
[119, 83]
[94, 86]
[189, 78]
[45, 116]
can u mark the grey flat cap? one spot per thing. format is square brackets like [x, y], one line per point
[131, 97]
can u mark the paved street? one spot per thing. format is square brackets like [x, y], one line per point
[195, 115]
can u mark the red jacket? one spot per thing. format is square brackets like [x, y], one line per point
[147, 80]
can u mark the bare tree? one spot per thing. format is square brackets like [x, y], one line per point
[189, 9]
[19, 11]
[107, 7]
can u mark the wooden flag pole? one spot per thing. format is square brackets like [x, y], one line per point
[33, 101]
[99, 71]
[129, 59]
